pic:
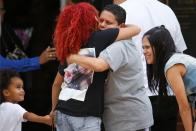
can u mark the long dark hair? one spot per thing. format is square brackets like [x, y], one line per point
[163, 48]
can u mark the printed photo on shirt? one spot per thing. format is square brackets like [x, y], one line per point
[77, 79]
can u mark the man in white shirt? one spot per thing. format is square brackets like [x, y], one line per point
[148, 14]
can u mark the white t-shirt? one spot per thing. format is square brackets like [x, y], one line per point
[11, 116]
[148, 14]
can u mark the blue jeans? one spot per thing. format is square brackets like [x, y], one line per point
[70, 123]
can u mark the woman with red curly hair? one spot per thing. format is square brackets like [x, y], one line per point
[71, 33]
[77, 94]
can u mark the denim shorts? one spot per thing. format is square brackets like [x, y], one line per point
[71, 123]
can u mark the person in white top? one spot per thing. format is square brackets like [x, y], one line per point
[148, 14]
[11, 113]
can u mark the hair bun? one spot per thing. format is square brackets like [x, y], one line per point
[162, 26]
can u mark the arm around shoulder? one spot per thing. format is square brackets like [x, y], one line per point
[127, 32]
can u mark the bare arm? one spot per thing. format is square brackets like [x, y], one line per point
[128, 32]
[99, 64]
[174, 76]
[35, 118]
[56, 88]
[95, 64]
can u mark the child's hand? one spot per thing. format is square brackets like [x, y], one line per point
[48, 120]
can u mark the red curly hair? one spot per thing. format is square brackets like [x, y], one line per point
[74, 26]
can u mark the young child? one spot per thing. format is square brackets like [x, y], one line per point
[11, 113]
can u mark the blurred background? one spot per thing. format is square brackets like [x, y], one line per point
[38, 17]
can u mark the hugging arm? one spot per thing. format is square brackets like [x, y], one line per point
[95, 64]
[99, 64]
[127, 32]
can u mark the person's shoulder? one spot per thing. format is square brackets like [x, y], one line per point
[163, 6]
[119, 44]
[7, 103]
[10, 105]
[106, 31]
[128, 41]
[176, 58]
[103, 35]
